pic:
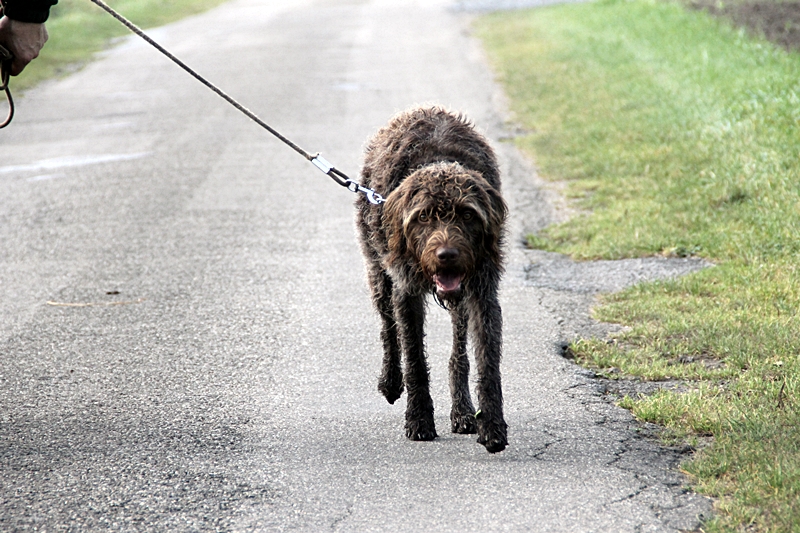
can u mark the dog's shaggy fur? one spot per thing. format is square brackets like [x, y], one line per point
[440, 231]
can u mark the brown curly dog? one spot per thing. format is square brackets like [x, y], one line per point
[440, 231]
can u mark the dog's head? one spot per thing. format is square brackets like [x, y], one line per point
[446, 221]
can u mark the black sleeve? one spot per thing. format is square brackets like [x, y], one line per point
[28, 10]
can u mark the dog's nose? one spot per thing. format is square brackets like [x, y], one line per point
[447, 255]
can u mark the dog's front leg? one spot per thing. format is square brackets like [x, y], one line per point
[462, 412]
[410, 317]
[390, 383]
[487, 324]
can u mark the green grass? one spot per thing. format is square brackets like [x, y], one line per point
[79, 28]
[679, 135]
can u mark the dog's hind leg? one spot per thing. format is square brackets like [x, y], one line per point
[410, 316]
[487, 325]
[462, 412]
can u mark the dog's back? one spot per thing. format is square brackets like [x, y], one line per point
[420, 137]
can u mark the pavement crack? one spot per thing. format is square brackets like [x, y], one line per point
[630, 496]
[545, 448]
[337, 521]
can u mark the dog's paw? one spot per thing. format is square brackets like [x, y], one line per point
[494, 445]
[391, 388]
[420, 430]
[492, 433]
[463, 424]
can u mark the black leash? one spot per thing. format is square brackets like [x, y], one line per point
[338, 176]
[5, 72]
[318, 161]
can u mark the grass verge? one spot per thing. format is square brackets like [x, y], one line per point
[79, 28]
[679, 135]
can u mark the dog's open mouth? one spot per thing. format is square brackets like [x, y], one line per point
[447, 282]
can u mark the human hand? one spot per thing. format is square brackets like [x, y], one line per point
[23, 40]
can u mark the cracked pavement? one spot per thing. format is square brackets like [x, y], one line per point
[220, 370]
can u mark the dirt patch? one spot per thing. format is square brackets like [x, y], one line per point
[778, 22]
[775, 20]
[559, 272]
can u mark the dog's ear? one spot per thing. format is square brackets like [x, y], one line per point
[394, 218]
[496, 213]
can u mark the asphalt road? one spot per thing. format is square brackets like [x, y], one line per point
[186, 337]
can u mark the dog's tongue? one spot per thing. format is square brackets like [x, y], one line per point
[447, 282]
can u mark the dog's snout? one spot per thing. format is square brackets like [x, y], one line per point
[446, 254]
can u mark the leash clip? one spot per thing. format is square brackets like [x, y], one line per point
[340, 178]
[373, 197]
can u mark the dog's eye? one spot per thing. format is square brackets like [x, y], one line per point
[468, 215]
[423, 217]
